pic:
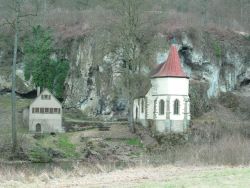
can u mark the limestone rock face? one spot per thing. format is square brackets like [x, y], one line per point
[222, 60]
[219, 60]
[5, 81]
[79, 83]
[90, 85]
[221, 63]
[22, 86]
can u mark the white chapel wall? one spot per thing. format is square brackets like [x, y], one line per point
[170, 86]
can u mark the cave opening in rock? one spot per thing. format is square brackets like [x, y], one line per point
[29, 95]
[245, 82]
[4, 91]
[185, 53]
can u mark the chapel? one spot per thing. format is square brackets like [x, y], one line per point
[166, 105]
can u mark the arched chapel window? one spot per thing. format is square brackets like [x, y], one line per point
[176, 107]
[161, 107]
[142, 106]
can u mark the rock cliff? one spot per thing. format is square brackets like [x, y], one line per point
[217, 61]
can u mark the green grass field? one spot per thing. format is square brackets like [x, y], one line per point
[224, 178]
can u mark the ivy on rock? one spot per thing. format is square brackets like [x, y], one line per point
[41, 65]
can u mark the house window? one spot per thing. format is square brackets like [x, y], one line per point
[42, 110]
[46, 97]
[176, 107]
[142, 106]
[161, 107]
[35, 110]
[46, 110]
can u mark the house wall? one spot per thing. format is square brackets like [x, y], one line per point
[170, 122]
[154, 113]
[141, 114]
[150, 105]
[47, 126]
[167, 89]
[168, 126]
[49, 122]
[170, 86]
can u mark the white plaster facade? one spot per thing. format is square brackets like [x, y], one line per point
[166, 103]
[45, 114]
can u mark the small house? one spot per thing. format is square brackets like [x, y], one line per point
[45, 114]
[166, 105]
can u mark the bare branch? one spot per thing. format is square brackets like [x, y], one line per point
[30, 14]
[3, 24]
[8, 22]
[26, 15]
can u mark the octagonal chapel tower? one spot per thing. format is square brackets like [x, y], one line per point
[167, 101]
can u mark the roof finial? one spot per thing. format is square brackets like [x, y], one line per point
[172, 39]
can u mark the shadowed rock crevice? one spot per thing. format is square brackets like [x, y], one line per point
[245, 82]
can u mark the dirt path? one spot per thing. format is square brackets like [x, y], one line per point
[116, 132]
[165, 176]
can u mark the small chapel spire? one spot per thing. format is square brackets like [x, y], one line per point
[172, 39]
[171, 67]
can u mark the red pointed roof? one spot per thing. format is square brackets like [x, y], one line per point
[171, 67]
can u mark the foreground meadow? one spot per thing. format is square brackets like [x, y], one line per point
[141, 177]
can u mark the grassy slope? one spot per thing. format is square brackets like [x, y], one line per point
[5, 110]
[5, 115]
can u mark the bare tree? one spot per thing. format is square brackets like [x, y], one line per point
[13, 93]
[134, 33]
[18, 14]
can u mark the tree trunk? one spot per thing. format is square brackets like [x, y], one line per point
[13, 93]
[242, 7]
[130, 115]
[44, 11]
